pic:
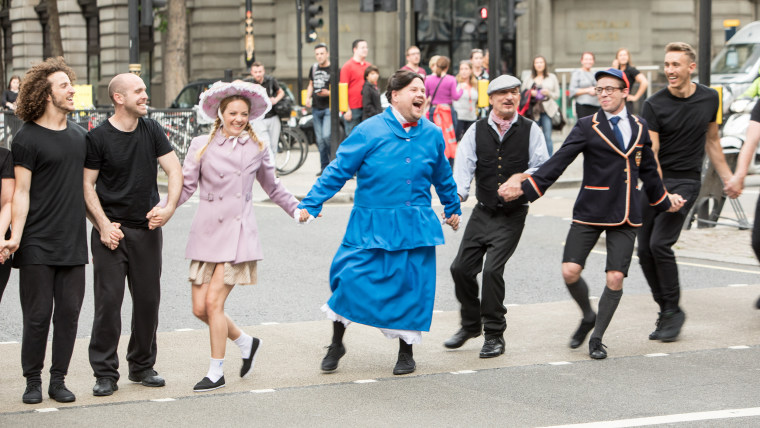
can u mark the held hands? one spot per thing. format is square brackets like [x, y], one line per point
[159, 216]
[512, 189]
[452, 221]
[7, 248]
[734, 186]
[676, 202]
[110, 235]
[302, 216]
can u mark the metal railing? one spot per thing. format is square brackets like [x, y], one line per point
[180, 125]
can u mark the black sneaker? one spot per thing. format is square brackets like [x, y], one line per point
[596, 349]
[670, 325]
[248, 362]
[33, 393]
[655, 335]
[580, 334]
[405, 364]
[206, 385]
[104, 386]
[147, 377]
[334, 354]
[58, 392]
[758, 303]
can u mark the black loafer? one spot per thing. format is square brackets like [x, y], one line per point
[405, 364]
[247, 367]
[655, 335]
[493, 347]
[596, 349]
[206, 385]
[334, 354]
[33, 394]
[459, 338]
[147, 377]
[104, 386]
[670, 325]
[580, 334]
[58, 392]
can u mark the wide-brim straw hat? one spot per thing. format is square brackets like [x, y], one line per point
[208, 104]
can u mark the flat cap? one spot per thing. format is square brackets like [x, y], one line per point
[505, 81]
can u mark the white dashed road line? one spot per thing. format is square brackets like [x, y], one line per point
[670, 419]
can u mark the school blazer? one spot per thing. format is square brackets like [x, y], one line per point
[609, 194]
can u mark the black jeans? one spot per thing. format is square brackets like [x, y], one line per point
[138, 259]
[493, 235]
[49, 291]
[660, 230]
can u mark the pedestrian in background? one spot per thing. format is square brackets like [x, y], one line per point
[223, 245]
[466, 107]
[478, 66]
[383, 274]
[413, 61]
[11, 93]
[48, 227]
[582, 84]
[352, 73]
[318, 98]
[370, 95]
[442, 91]
[432, 62]
[544, 88]
[270, 125]
[121, 194]
[624, 63]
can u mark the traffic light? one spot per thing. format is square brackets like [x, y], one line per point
[482, 27]
[313, 19]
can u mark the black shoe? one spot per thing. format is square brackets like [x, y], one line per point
[319, 173]
[206, 385]
[655, 335]
[758, 303]
[248, 362]
[670, 325]
[493, 347]
[596, 349]
[334, 353]
[459, 338]
[405, 364]
[33, 393]
[580, 334]
[147, 377]
[58, 392]
[104, 386]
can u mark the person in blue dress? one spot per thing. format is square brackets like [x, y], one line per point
[383, 274]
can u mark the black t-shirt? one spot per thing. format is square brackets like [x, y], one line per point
[126, 161]
[682, 125]
[270, 84]
[9, 97]
[6, 169]
[320, 76]
[630, 74]
[55, 229]
[755, 115]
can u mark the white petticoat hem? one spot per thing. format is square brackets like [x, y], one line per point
[411, 337]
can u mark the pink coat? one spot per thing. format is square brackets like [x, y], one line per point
[224, 228]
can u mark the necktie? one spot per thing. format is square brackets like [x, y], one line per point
[409, 124]
[618, 135]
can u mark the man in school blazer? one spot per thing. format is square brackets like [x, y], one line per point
[616, 153]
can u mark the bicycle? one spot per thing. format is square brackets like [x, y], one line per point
[291, 150]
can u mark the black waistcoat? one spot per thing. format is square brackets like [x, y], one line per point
[499, 159]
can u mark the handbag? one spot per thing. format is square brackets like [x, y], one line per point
[525, 102]
[558, 120]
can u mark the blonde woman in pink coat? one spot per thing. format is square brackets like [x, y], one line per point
[223, 245]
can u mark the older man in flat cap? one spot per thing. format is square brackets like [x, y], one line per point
[495, 148]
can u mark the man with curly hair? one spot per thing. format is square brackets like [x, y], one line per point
[48, 224]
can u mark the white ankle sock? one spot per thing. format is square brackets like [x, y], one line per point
[215, 369]
[244, 342]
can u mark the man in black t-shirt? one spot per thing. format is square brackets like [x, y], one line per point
[682, 127]
[126, 238]
[318, 98]
[269, 127]
[48, 224]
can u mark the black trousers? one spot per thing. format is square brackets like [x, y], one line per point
[756, 231]
[5, 273]
[49, 291]
[659, 231]
[493, 235]
[138, 259]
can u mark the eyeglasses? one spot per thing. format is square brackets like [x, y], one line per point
[609, 90]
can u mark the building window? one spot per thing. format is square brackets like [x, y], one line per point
[42, 13]
[92, 22]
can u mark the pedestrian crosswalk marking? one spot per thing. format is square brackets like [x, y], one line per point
[261, 391]
[46, 410]
[657, 354]
[183, 329]
[269, 323]
[162, 400]
[739, 347]
[560, 363]
[670, 419]
[464, 372]
[8, 343]
[365, 381]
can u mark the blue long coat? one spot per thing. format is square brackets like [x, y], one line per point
[384, 272]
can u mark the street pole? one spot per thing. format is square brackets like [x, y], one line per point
[705, 33]
[494, 39]
[299, 47]
[334, 79]
[402, 32]
[133, 15]
[250, 51]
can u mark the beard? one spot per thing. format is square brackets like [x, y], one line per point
[61, 103]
